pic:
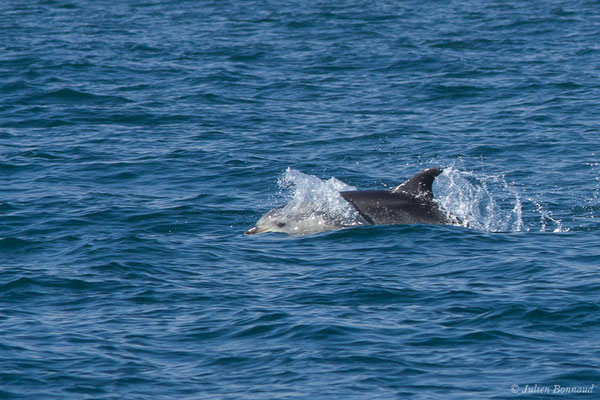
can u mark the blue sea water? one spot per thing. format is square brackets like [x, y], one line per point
[140, 138]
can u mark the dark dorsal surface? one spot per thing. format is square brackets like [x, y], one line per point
[420, 185]
[409, 203]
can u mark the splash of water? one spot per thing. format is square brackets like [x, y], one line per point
[490, 203]
[316, 205]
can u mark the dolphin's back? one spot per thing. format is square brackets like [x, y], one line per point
[383, 207]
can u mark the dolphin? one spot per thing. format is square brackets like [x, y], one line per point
[411, 202]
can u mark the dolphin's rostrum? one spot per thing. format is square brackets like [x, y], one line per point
[409, 203]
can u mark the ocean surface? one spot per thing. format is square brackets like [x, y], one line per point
[139, 139]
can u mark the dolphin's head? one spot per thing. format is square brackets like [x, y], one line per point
[292, 221]
[273, 221]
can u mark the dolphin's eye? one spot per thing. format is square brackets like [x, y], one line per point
[280, 224]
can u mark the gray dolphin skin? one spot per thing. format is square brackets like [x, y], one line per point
[409, 203]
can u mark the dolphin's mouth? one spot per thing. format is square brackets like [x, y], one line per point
[252, 231]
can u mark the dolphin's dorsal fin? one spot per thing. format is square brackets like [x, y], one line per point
[419, 185]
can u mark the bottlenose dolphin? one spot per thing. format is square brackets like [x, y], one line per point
[409, 203]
